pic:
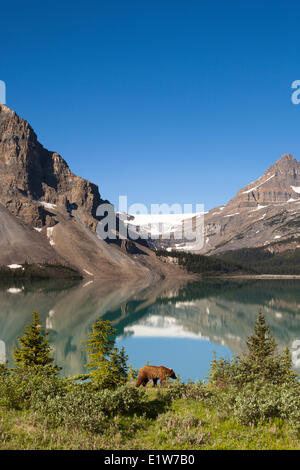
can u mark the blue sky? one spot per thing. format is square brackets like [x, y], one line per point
[163, 101]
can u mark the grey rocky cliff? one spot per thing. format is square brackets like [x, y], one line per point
[275, 186]
[30, 176]
[48, 214]
[264, 213]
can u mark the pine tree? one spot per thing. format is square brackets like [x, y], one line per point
[287, 366]
[262, 361]
[259, 365]
[34, 349]
[261, 344]
[118, 367]
[100, 343]
[222, 371]
[121, 363]
[99, 347]
[4, 371]
[213, 368]
[108, 366]
[132, 374]
[286, 358]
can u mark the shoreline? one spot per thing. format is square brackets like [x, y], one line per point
[261, 276]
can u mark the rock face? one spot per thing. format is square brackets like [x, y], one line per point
[48, 214]
[263, 213]
[29, 173]
[19, 243]
[279, 184]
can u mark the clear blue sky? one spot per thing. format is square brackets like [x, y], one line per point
[165, 101]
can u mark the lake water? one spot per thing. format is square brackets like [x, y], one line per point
[167, 323]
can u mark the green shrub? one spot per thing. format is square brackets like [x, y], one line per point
[194, 391]
[20, 388]
[84, 406]
[290, 404]
[78, 408]
[124, 400]
[255, 404]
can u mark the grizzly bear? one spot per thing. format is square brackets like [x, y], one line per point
[155, 373]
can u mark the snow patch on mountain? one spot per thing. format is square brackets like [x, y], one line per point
[50, 235]
[47, 205]
[231, 215]
[15, 266]
[15, 290]
[257, 186]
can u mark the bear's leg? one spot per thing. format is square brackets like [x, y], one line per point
[138, 383]
[145, 381]
[155, 382]
[162, 381]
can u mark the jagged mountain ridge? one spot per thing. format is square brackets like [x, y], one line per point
[263, 213]
[48, 214]
[29, 173]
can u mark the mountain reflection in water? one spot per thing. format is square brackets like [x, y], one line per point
[169, 323]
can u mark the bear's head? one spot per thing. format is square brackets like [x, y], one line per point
[172, 374]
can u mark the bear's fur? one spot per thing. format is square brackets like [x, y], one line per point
[154, 373]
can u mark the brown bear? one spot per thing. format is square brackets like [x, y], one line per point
[155, 373]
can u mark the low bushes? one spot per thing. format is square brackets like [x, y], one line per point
[256, 404]
[72, 405]
[24, 386]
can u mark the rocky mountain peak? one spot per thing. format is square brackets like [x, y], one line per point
[279, 184]
[5, 109]
[287, 157]
[263, 213]
[48, 214]
[31, 176]
[285, 164]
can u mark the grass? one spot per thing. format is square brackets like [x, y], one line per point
[20, 430]
[185, 424]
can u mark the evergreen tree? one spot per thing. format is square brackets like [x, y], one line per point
[100, 343]
[34, 348]
[287, 365]
[262, 362]
[223, 371]
[108, 365]
[261, 344]
[213, 368]
[4, 372]
[118, 368]
[119, 360]
[132, 373]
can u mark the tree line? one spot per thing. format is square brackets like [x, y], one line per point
[245, 260]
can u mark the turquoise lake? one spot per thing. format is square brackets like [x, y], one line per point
[168, 323]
